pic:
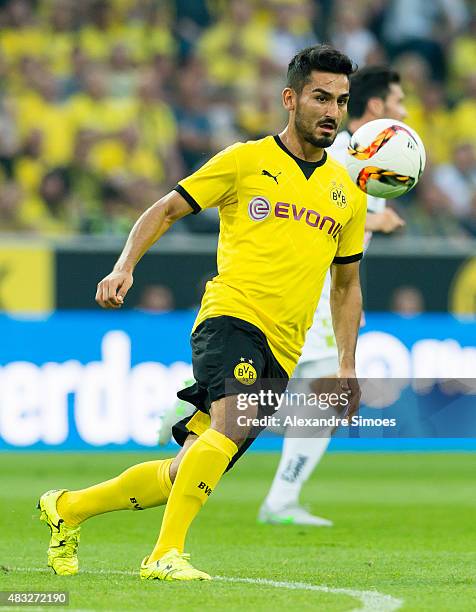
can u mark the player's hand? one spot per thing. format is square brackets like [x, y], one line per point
[389, 221]
[349, 384]
[112, 289]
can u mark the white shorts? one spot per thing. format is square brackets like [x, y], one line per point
[300, 382]
[318, 368]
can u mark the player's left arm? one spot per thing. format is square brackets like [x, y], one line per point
[346, 309]
[346, 296]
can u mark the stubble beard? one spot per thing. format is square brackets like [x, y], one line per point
[304, 130]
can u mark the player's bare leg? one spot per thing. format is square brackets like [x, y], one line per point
[200, 469]
[174, 466]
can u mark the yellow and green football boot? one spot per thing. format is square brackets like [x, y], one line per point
[62, 551]
[172, 566]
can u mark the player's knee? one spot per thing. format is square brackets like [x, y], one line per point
[233, 432]
[237, 437]
[232, 422]
[231, 429]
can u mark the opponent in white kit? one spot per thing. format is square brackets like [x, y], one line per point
[375, 93]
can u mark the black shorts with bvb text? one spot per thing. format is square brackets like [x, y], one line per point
[229, 356]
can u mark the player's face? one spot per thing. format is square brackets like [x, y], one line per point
[320, 108]
[394, 107]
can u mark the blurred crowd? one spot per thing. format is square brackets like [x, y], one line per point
[105, 104]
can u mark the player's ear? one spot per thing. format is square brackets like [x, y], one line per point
[376, 107]
[289, 98]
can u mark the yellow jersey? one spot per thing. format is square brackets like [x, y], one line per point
[283, 222]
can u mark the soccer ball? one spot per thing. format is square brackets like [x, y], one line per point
[385, 158]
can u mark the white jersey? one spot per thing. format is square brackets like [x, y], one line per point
[320, 341]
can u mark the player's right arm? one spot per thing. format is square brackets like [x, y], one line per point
[212, 185]
[150, 226]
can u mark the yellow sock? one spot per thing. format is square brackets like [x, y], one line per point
[198, 474]
[145, 485]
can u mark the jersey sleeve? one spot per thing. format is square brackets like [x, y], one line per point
[212, 185]
[350, 247]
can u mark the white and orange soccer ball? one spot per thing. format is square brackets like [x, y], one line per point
[386, 158]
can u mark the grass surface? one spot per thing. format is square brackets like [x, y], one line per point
[404, 526]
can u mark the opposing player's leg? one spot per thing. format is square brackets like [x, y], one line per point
[301, 453]
[298, 460]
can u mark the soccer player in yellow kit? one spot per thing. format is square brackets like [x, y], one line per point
[288, 213]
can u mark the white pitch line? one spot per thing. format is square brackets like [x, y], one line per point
[372, 601]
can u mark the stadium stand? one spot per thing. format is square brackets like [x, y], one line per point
[104, 104]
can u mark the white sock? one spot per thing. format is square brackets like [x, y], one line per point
[299, 457]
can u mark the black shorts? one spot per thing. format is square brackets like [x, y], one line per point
[229, 356]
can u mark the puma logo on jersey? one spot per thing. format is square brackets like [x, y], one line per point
[275, 178]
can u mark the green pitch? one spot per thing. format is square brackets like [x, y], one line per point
[404, 526]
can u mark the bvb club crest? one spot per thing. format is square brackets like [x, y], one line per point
[337, 195]
[245, 372]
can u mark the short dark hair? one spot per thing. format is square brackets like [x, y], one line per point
[322, 58]
[369, 82]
